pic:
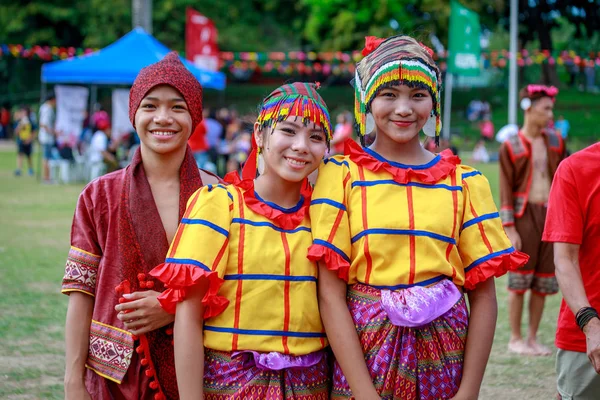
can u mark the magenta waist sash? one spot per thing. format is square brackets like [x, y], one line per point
[274, 361]
[417, 305]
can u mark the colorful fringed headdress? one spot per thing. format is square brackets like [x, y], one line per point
[298, 99]
[390, 62]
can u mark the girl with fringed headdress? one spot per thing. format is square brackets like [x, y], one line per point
[400, 235]
[246, 295]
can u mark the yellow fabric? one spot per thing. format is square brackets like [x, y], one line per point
[25, 131]
[220, 221]
[448, 242]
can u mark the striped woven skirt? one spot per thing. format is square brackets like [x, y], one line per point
[244, 376]
[420, 362]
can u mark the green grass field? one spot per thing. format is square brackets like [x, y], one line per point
[34, 240]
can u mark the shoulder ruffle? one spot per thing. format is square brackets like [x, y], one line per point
[283, 219]
[495, 267]
[178, 278]
[334, 261]
[441, 167]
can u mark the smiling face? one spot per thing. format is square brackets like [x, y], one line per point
[163, 121]
[291, 150]
[400, 112]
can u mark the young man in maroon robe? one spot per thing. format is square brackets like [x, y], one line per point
[118, 338]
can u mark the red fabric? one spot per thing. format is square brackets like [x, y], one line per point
[496, 267]
[143, 245]
[4, 117]
[371, 43]
[197, 141]
[168, 71]
[285, 220]
[179, 277]
[332, 260]
[442, 169]
[201, 40]
[341, 134]
[574, 217]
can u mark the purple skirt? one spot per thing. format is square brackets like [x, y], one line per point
[420, 359]
[255, 376]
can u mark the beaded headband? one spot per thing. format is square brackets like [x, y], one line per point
[388, 63]
[299, 100]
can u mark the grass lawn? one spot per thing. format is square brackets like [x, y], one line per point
[34, 240]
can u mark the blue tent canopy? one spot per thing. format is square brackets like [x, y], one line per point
[120, 63]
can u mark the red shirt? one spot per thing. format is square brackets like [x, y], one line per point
[574, 217]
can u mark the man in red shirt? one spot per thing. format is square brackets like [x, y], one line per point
[573, 225]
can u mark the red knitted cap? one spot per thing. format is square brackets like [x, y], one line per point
[168, 71]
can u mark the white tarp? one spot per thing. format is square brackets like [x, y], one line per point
[71, 108]
[120, 113]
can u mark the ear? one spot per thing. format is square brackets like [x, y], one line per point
[258, 134]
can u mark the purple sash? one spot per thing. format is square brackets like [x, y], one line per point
[276, 361]
[417, 306]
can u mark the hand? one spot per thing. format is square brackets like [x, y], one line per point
[76, 391]
[143, 313]
[513, 236]
[592, 336]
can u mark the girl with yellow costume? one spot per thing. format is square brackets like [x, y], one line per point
[247, 316]
[399, 234]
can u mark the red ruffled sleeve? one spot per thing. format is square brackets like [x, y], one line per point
[441, 167]
[495, 267]
[333, 261]
[178, 278]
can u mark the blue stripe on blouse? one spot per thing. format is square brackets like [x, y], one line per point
[188, 261]
[479, 219]
[413, 232]
[190, 221]
[269, 225]
[261, 332]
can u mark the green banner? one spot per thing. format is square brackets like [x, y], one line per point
[464, 50]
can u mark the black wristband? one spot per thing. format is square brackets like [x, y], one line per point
[584, 315]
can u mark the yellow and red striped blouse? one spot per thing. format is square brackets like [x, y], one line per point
[395, 226]
[263, 289]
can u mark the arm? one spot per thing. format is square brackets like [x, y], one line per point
[189, 343]
[568, 274]
[77, 336]
[480, 335]
[341, 334]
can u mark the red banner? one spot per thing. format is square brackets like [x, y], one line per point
[201, 41]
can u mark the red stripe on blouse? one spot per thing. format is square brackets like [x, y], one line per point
[363, 193]
[238, 293]
[412, 238]
[286, 293]
[455, 203]
[479, 224]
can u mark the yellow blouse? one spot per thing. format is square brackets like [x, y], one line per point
[395, 226]
[263, 290]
